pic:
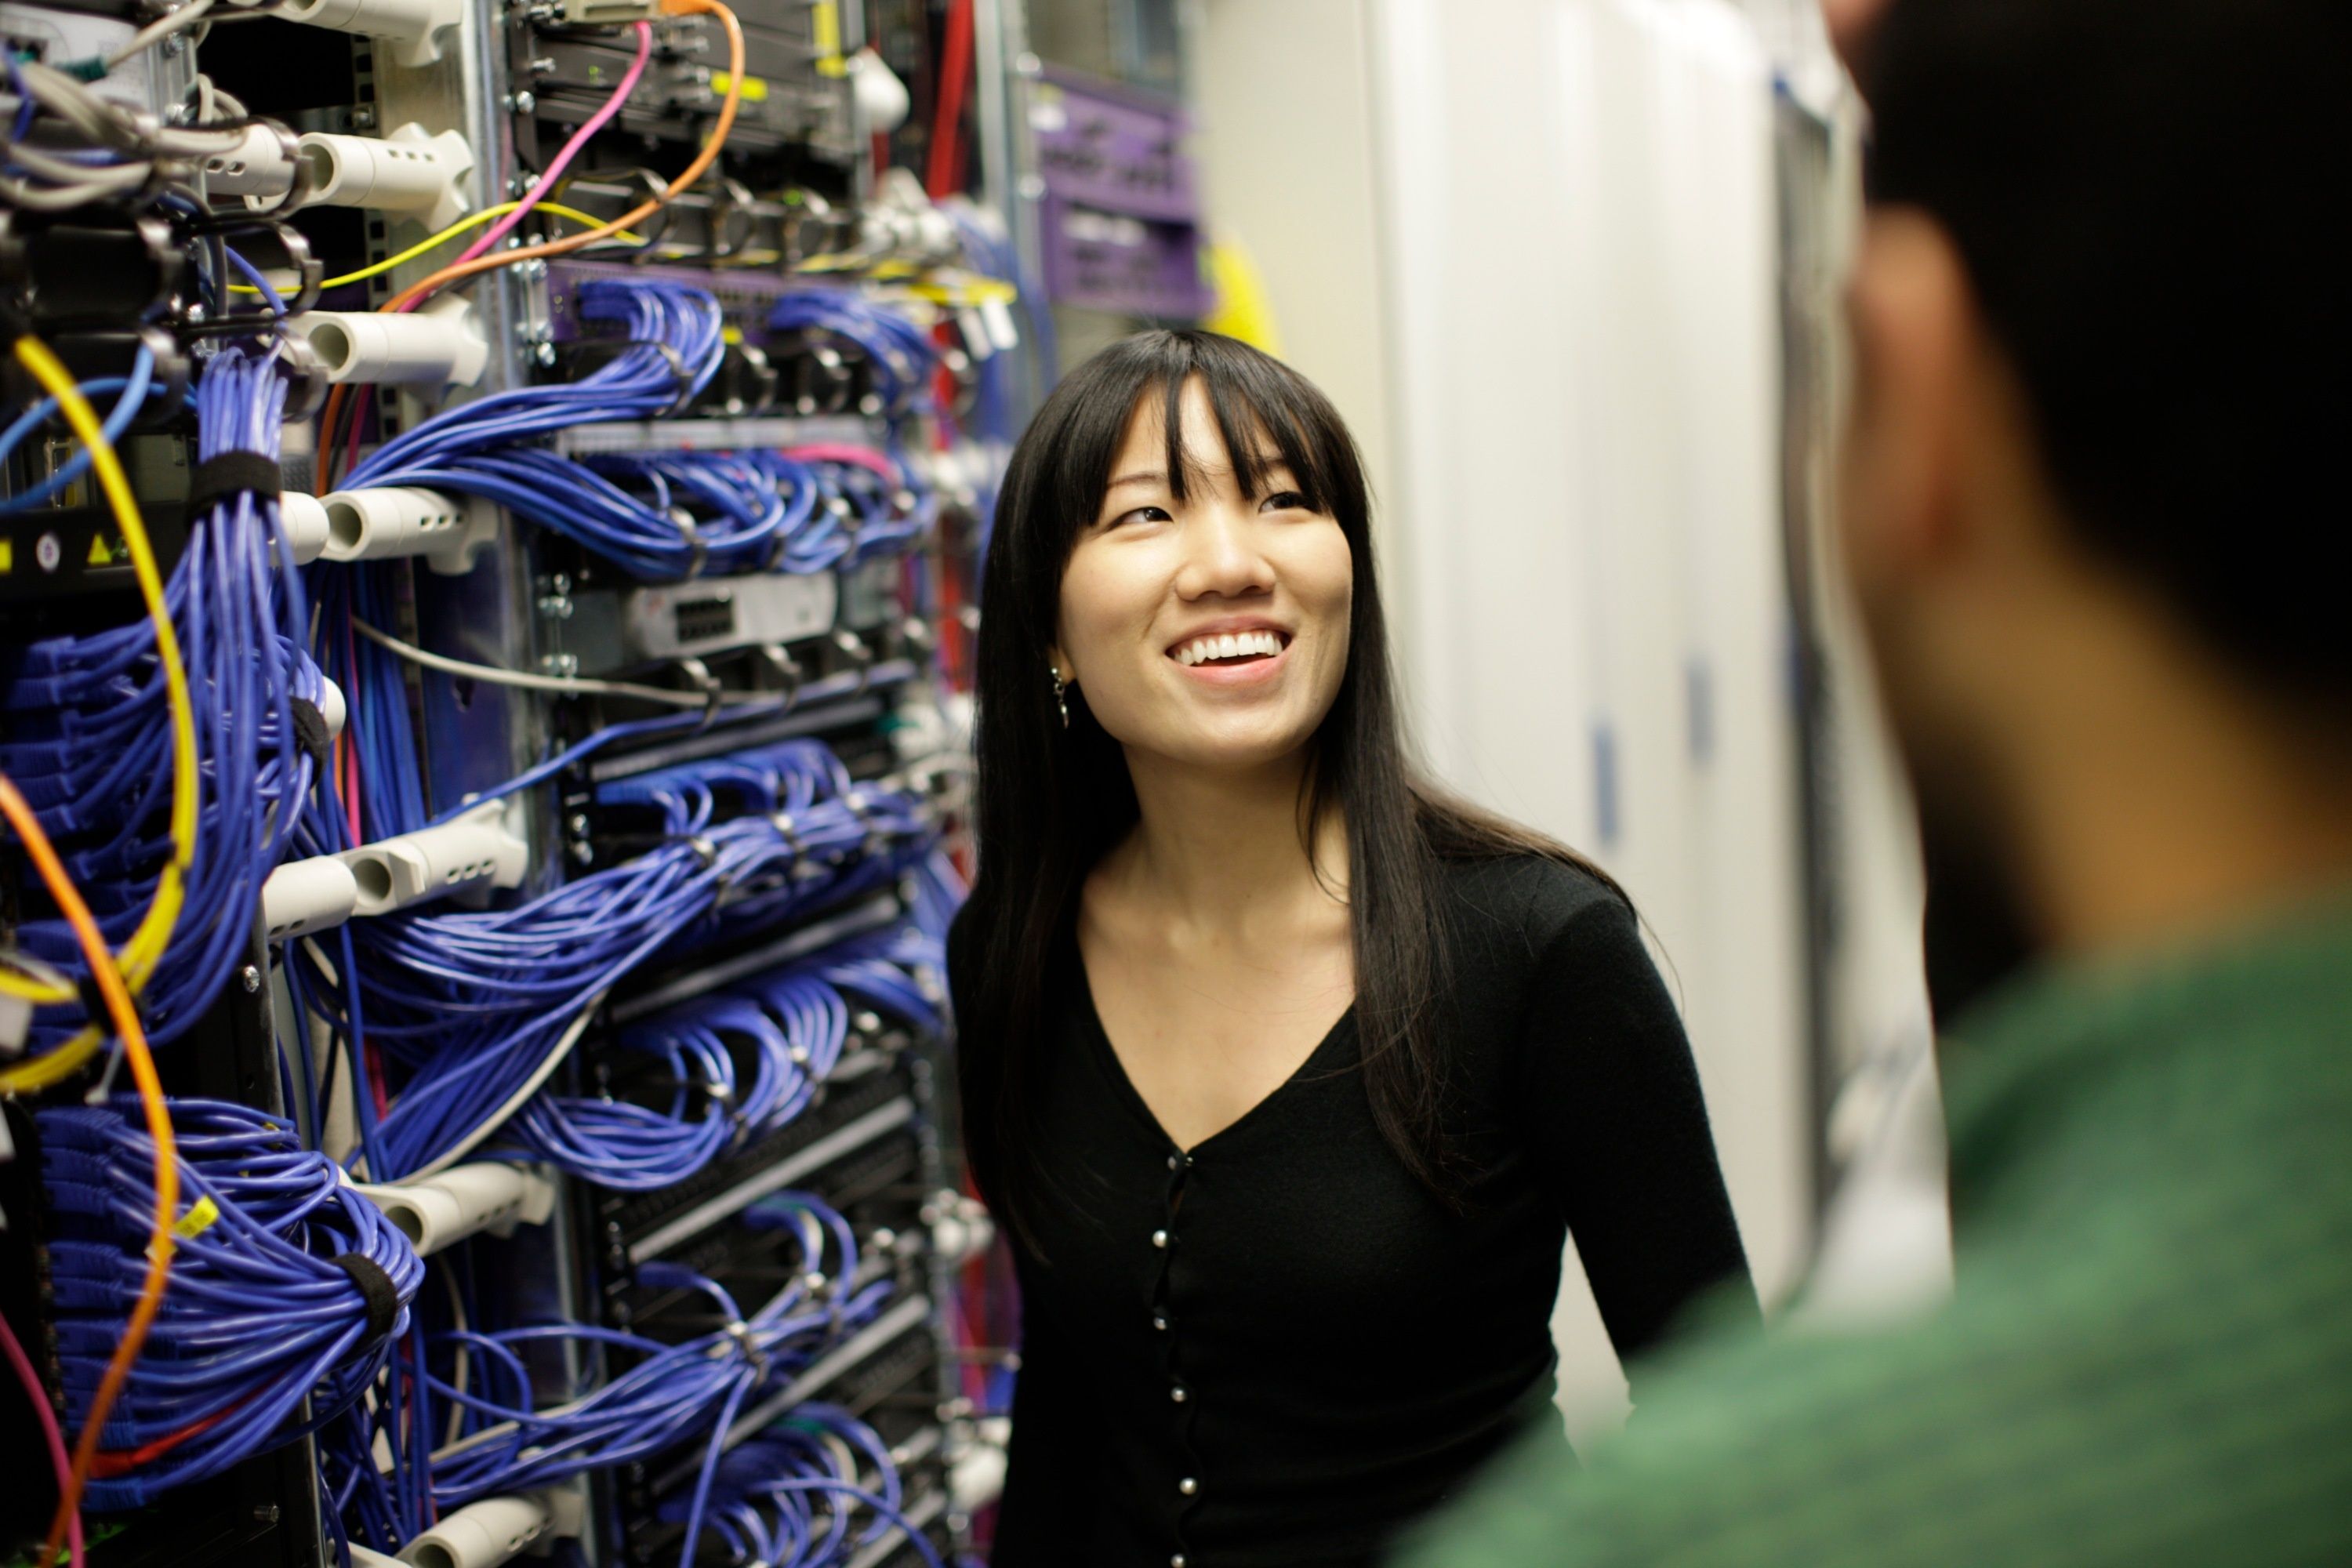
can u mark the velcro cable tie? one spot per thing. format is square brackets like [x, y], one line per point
[376, 1288]
[310, 731]
[228, 475]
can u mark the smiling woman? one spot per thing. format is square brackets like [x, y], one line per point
[1278, 1062]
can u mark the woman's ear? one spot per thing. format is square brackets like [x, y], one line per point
[1063, 670]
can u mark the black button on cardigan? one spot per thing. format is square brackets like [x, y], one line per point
[1279, 1348]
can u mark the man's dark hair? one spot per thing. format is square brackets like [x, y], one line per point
[2141, 190]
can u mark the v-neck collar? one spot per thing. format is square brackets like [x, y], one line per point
[1114, 1070]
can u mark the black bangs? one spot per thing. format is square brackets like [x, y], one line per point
[1263, 410]
[1062, 468]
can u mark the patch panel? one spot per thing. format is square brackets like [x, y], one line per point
[571, 74]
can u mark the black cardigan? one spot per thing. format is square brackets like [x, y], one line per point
[1280, 1348]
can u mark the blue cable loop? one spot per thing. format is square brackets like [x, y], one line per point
[259, 1317]
[900, 356]
[674, 1395]
[88, 736]
[467, 1010]
[756, 1053]
[787, 1495]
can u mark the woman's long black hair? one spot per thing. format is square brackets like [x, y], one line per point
[1052, 802]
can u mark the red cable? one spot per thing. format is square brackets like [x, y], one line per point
[946, 124]
[122, 1462]
[376, 1084]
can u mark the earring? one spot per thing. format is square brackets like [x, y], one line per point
[1061, 692]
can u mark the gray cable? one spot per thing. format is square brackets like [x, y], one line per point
[574, 685]
[155, 32]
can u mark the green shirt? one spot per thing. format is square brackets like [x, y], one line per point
[2147, 1359]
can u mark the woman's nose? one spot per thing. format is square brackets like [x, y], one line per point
[1222, 556]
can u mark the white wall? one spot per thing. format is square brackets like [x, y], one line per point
[1283, 90]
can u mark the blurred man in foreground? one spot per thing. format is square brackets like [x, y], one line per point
[2091, 483]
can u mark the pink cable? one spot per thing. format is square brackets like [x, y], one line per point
[836, 452]
[39, 1399]
[596, 122]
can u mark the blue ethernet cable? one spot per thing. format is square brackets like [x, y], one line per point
[673, 1395]
[134, 389]
[673, 345]
[901, 355]
[287, 1287]
[472, 1010]
[788, 1027]
[660, 516]
[787, 1496]
[85, 735]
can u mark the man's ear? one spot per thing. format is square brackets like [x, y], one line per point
[1917, 343]
[1851, 22]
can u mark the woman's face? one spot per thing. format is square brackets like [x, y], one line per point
[1210, 631]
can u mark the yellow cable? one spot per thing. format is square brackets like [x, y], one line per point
[488, 214]
[714, 140]
[148, 944]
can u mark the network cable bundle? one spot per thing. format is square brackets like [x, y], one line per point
[488, 503]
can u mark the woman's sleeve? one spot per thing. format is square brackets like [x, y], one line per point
[1612, 1109]
[1043, 1520]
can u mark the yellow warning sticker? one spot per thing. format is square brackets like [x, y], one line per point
[197, 1220]
[755, 87]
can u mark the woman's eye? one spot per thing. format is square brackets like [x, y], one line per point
[1284, 500]
[1140, 514]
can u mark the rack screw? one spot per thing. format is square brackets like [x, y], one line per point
[252, 978]
[266, 1513]
[522, 102]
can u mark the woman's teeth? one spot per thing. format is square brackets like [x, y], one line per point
[1232, 645]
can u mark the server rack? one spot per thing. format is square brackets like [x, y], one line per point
[843, 671]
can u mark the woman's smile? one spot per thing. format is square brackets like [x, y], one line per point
[1243, 653]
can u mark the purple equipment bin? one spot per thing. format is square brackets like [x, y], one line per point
[1121, 220]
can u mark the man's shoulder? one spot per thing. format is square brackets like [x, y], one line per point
[2080, 1404]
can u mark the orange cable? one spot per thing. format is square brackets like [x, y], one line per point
[416, 292]
[647, 208]
[117, 995]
